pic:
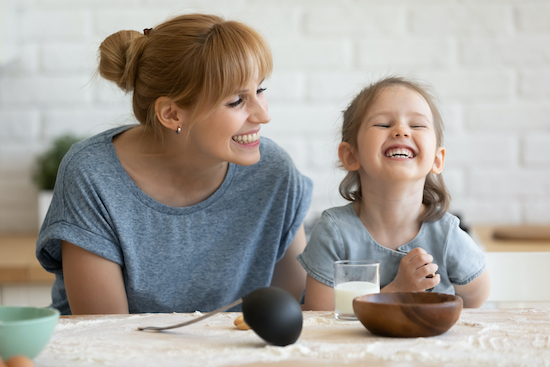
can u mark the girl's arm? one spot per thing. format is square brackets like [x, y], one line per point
[288, 273]
[94, 284]
[475, 293]
[319, 296]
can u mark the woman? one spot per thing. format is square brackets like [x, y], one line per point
[190, 209]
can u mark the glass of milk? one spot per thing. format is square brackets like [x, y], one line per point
[353, 278]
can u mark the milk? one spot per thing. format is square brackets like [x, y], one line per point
[344, 293]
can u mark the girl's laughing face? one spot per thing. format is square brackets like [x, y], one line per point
[397, 140]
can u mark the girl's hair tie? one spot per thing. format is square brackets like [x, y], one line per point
[146, 31]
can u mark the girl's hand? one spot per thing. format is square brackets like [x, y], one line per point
[413, 270]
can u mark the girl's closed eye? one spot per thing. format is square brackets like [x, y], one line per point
[418, 125]
[260, 90]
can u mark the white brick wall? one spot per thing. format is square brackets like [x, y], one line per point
[488, 62]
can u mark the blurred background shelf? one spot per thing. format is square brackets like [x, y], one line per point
[518, 265]
[23, 281]
[518, 269]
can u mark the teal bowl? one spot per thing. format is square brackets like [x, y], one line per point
[25, 330]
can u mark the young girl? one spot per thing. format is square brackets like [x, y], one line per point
[392, 148]
[189, 209]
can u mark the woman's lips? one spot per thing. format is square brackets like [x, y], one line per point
[246, 138]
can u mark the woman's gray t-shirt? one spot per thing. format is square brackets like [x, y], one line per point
[340, 235]
[174, 259]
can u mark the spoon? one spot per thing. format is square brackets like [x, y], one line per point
[159, 328]
[273, 314]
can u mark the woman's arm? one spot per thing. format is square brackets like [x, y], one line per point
[288, 273]
[319, 296]
[94, 284]
[475, 293]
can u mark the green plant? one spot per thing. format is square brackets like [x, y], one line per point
[47, 164]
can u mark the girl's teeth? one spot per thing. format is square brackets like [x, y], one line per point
[404, 153]
[245, 139]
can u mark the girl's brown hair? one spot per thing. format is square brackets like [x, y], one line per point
[197, 60]
[435, 197]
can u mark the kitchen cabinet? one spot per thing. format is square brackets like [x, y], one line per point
[23, 281]
[518, 268]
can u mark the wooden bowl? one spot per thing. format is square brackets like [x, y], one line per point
[408, 314]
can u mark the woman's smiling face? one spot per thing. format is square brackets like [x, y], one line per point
[231, 133]
[396, 140]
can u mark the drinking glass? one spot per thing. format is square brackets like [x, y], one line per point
[353, 278]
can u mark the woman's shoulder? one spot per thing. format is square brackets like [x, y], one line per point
[94, 144]
[91, 153]
[271, 153]
[275, 167]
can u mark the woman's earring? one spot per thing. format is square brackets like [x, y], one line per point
[178, 130]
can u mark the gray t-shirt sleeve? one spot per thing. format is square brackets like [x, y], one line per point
[325, 246]
[77, 215]
[464, 259]
[298, 194]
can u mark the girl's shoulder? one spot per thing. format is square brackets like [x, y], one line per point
[446, 230]
[439, 231]
[340, 213]
[339, 219]
[446, 223]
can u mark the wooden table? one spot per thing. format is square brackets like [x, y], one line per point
[18, 263]
[484, 234]
[481, 337]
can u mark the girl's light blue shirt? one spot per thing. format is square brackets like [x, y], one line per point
[340, 235]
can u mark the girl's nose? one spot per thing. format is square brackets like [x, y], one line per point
[401, 131]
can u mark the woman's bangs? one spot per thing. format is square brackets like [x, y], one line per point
[241, 55]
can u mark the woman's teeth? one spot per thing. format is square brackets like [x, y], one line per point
[399, 153]
[247, 138]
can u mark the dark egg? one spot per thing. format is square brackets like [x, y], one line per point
[274, 314]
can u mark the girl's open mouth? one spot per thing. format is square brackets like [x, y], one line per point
[400, 153]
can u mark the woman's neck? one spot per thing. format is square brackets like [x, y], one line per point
[391, 211]
[166, 171]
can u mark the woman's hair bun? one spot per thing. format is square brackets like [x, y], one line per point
[119, 56]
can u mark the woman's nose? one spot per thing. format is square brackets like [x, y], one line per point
[259, 113]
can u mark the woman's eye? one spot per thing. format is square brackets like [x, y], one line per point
[260, 90]
[236, 103]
